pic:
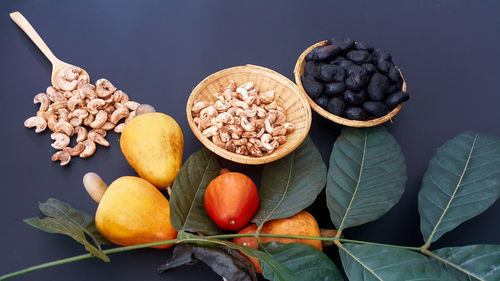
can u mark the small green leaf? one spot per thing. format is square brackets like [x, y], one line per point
[291, 184]
[187, 207]
[474, 262]
[461, 181]
[66, 227]
[366, 178]
[306, 262]
[60, 210]
[379, 263]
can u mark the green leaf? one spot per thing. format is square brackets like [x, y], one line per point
[291, 184]
[187, 207]
[303, 260]
[66, 227]
[461, 181]
[280, 271]
[366, 178]
[60, 210]
[474, 262]
[373, 262]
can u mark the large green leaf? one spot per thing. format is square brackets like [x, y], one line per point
[281, 272]
[367, 176]
[471, 263]
[60, 210]
[187, 207]
[461, 181]
[291, 184]
[373, 262]
[52, 225]
[303, 260]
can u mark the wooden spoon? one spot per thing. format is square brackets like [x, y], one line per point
[57, 64]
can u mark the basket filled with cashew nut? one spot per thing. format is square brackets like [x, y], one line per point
[249, 114]
[73, 107]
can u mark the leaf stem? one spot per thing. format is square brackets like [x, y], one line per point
[85, 256]
[179, 240]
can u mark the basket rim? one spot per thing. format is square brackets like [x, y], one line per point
[242, 158]
[298, 70]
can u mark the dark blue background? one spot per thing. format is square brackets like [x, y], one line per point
[157, 51]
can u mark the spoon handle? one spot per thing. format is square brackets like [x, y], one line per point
[23, 23]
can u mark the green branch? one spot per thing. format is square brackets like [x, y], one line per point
[180, 240]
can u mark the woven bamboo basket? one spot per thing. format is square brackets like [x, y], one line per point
[299, 70]
[288, 97]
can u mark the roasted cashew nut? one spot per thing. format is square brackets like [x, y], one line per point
[64, 127]
[36, 121]
[75, 151]
[118, 114]
[60, 140]
[43, 100]
[100, 118]
[66, 79]
[89, 148]
[119, 128]
[104, 88]
[62, 156]
[98, 138]
[81, 133]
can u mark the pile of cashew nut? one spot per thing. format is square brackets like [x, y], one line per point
[73, 107]
[243, 120]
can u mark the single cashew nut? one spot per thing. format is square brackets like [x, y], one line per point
[60, 140]
[50, 90]
[118, 114]
[198, 106]
[64, 127]
[104, 88]
[81, 134]
[130, 117]
[278, 131]
[37, 122]
[74, 101]
[267, 97]
[62, 156]
[75, 121]
[98, 138]
[75, 151]
[51, 122]
[56, 96]
[218, 141]
[208, 112]
[43, 100]
[290, 127]
[100, 118]
[269, 127]
[80, 113]
[88, 120]
[144, 108]
[89, 148]
[94, 105]
[132, 105]
[108, 126]
[119, 128]
[266, 142]
[210, 132]
[94, 185]
[120, 97]
[63, 114]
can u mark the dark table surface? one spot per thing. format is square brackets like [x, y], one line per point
[157, 51]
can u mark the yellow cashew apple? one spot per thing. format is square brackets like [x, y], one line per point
[153, 144]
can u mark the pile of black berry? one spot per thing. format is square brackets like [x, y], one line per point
[353, 80]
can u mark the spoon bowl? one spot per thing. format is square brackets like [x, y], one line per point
[57, 64]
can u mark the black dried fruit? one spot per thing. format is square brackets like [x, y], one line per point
[393, 100]
[345, 44]
[336, 106]
[382, 55]
[326, 52]
[322, 101]
[331, 72]
[375, 108]
[356, 113]
[378, 86]
[358, 56]
[312, 87]
[369, 67]
[345, 64]
[337, 59]
[393, 88]
[357, 77]
[363, 46]
[334, 89]
[384, 66]
[355, 98]
[313, 68]
[394, 74]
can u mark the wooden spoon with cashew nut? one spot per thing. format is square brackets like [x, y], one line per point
[57, 64]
